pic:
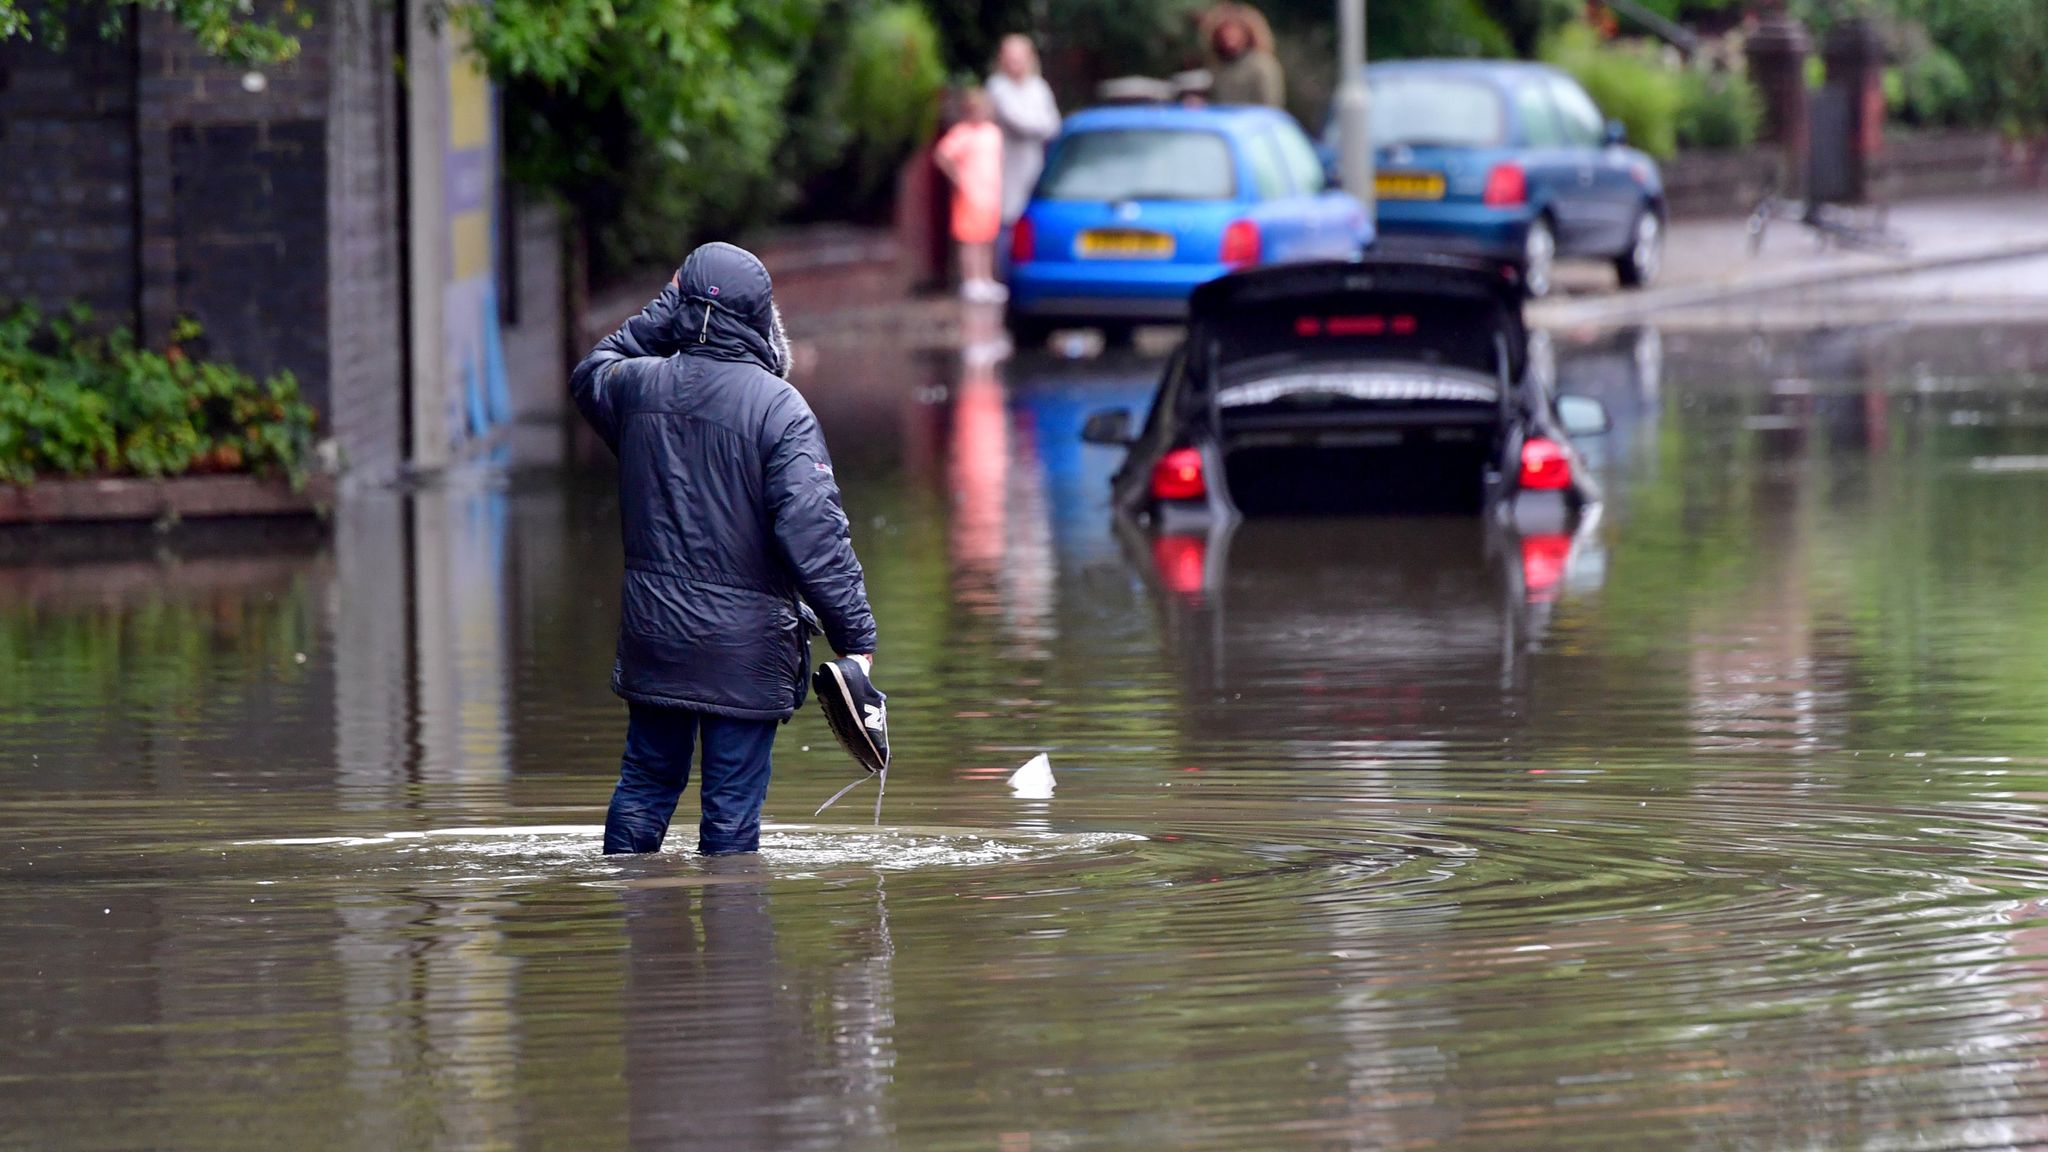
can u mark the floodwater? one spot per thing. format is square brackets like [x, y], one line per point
[1716, 823]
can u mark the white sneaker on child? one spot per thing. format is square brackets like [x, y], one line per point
[983, 292]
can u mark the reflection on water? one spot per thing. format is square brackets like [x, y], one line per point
[723, 1049]
[1396, 635]
[1715, 822]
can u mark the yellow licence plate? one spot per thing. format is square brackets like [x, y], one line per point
[1409, 186]
[1126, 244]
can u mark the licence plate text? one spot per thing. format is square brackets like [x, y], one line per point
[1409, 185]
[1126, 244]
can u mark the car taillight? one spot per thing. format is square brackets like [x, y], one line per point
[1023, 241]
[1543, 563]
[1241, 243]
[1506, 186]
[1545, 467]
[1355, 325]
[1178, 476]
[1182, 561]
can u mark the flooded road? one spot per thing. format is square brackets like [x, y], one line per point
[1716, 823]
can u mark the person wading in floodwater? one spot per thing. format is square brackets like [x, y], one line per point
[733, 534]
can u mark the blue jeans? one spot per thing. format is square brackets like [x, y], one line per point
[656, 767]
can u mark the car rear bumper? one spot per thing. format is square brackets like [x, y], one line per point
[1107, 290]
[1454, 230]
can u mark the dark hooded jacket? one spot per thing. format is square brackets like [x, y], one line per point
[731, 515]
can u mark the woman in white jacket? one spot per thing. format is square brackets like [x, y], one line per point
[1025, 110]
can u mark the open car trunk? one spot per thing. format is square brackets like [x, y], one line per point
[1370, 440]
[1366, 388]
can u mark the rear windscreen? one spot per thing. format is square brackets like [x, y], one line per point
[1385, 326]
[1436, 111]
[1140, 165]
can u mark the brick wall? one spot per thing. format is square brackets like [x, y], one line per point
[155, 182]
[249, 220]
[67, 151]
[534, 369]
[232, 183]
[1912, 165]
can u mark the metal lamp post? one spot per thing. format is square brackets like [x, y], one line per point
[1354, 106]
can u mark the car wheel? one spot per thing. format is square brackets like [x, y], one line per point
[1645, 256]
[1539, 258]
[1027, 333]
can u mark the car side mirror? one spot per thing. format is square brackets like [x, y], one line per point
[1109, 426]
[1583, 416]
[1617, 134]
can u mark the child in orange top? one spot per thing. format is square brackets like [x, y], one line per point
[971, 156]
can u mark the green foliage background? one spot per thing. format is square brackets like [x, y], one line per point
[1717, 110]
[648, 117]
[76, 404]
[2000, 52]
[862, 110]
[1630, 86]
[228, 29]
[662, 121]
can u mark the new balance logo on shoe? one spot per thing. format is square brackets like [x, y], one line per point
[858, 713]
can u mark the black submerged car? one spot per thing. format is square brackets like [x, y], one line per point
[1367, 387]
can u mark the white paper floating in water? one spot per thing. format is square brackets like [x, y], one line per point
[1034, 780]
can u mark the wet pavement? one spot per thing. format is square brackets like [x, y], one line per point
[2011, 291]
[1714, 823]
[1959, 259]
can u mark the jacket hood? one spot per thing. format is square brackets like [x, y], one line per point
[728, 309]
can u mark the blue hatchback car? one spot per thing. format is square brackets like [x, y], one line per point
[1140, 204]
[1513, 162]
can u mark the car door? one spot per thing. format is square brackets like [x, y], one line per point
[1558, 178]
[1167, 424]
[1337, 218]
[1606, 188]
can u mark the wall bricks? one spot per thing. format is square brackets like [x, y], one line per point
[152, 182]
[251, 223]
[67, 147]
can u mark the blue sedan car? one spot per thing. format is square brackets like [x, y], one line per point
[1512, 162]
[1140, 204]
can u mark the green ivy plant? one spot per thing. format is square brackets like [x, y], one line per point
[650, 117]
[228, 29]
[73, 403]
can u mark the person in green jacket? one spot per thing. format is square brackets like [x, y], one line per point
[1243, 68]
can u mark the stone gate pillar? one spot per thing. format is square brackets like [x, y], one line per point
[1777, 52]
[1855, 56]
